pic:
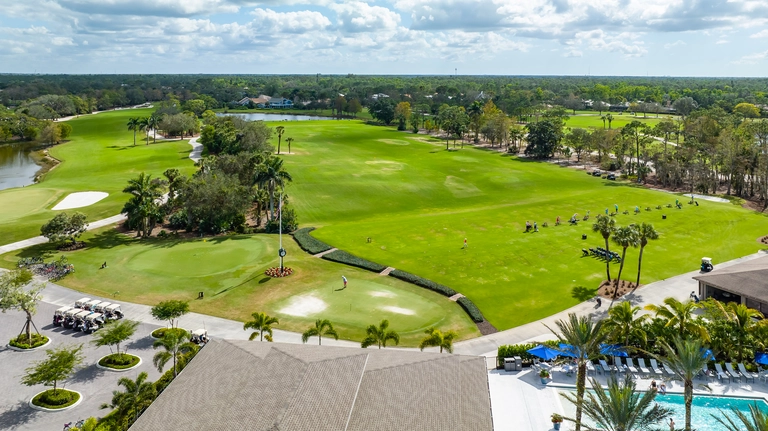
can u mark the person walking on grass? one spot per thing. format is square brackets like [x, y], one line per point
[616, 206]
[465, 243]
[535, 227]
[344, 279]
[557, 222]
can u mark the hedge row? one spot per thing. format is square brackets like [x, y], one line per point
[521, 350]
[423, 282]
[471, 309]
[342, 256]
[308, 243]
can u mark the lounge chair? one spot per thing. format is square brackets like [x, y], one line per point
[672, 374]
[747, 375]
[655, 368]
[705, 372]
[590, 367]
[607, 368]
[721, 373]
[731, 371]
[631, 366]
[643, 369]
[621, 368]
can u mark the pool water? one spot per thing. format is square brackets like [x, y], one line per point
[704, 407]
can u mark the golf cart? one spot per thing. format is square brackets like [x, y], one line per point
[92, 322]
[80, 303]
[91, 305]
[612, 176]
[596, 173]
[69, 317]
[199, 337]
[113, 312]
[706, 264]
[79, 319]
[59, 315]
[101, 307]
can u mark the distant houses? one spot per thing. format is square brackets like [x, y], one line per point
[267, 102]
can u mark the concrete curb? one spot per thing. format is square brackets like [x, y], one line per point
[45, 409]
[16, 349]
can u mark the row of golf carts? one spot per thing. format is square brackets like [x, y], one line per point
[87, 315]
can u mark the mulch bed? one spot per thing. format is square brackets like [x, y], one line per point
[486, 328]
[72, 247]
[763, 240]
[608, 288]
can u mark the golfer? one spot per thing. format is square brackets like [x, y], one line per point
[465, 243]
[344, 279]
[617, 208]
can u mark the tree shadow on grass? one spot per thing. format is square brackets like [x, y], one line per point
[109, 238]
[583, 293]
[14, 416]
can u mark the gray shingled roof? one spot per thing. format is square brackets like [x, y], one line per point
[249, 385]
[748, 278]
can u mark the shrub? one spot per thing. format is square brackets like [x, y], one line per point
[423, 282]
[167, 377]
[290, 222]
[159, 333]
[471, 309]
[342, 256]
[62, 398]
[119, 362]
[179, 220]
[308, 243]
[22, 342]
[521, 350]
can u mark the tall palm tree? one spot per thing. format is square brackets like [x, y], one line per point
[608, 117]
[475, 112]
[143, 208]
[379, 335]
[289, 140]
[261, 323]
[272, 175]
[585, 336]
[684, 357]
[756, 421]
[645, 233]
[603, 117]
[153, 121]
[743, 320]
[280, 130]
[622, 326]
[321, 328]
[625, 236]
[437, 338]
[679, 315]
[144, 125]
[605, 225]
[176, 343]
[133, 124]
[138, 395]
[620, 407]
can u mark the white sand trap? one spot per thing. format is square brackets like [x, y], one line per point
[79, 200]
[399, 310]
[380, 294]
[303, 306]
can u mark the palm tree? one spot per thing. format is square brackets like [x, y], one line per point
[133, 124]
[622, 326]
[685, 359]
[153, 121]
[436, 338]
[289, 140]
[606, 226]
[321, 328]
[742, 322]
[280, 130]
[624, 236]
[379, 335]
[645, 232]
[620, 407]
[585, 336]
[680, 315]
[756, 421]
[143, 208]
[272, 174]
[608, 117]
[138, 395]
[176, 343]
[603, 117]
[261, 323]
[475, 112]
[144, 125]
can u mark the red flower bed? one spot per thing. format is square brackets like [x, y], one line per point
[275, 272]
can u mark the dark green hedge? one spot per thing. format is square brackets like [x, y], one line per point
[308, 243]
[342, 256]
[423, 282]
[471, 309]
[521, 350]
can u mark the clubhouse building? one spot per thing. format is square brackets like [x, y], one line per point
[744, 283]
[250, 385]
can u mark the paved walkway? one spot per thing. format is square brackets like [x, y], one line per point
[41, 239]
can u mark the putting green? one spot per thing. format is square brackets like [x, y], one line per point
[198, 258]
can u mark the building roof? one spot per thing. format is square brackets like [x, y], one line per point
[748, 278]
[248, 385]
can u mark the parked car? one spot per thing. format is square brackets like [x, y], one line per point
[59, 315]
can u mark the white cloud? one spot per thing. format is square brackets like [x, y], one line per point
[674, 44]
[360, 17]
[759, 34]
[753, 58]
[289, 22]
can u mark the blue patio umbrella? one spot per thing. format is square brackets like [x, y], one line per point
[567, 350]
[707, 354]
[613, 350]
[544, 352]
[761, 358]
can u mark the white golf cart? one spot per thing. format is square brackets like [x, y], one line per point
[79, 320]
[69, 317]
[80, 303]
[113, 312]
[92, 323]
[199, 337]
[59, 315]
[706, 264]
[101, 307]
[91, 305]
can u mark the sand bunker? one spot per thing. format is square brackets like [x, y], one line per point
[399, 310]
[303, 306]
[79, 200]
[380, 294]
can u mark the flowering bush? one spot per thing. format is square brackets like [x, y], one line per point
[275, 272]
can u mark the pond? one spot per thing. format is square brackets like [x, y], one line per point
[17, 167]
[260, 116]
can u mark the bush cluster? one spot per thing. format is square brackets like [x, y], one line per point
[308, 243]
[167, 376]
[22, 342]
[275, 272]
[342, 256]
[62, 398]
[521, 350]
[159, 333]
[119, 362]
[471, 309]
[423, 282]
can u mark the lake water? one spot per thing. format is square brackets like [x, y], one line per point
[17, 168]
[259, 116]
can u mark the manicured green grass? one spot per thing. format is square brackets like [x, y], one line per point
[417, 202]
[119, 361]
[593, 120]
[100, 156]
[230, 273]
[55, 400]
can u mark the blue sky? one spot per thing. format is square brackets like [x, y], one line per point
[496, 37]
